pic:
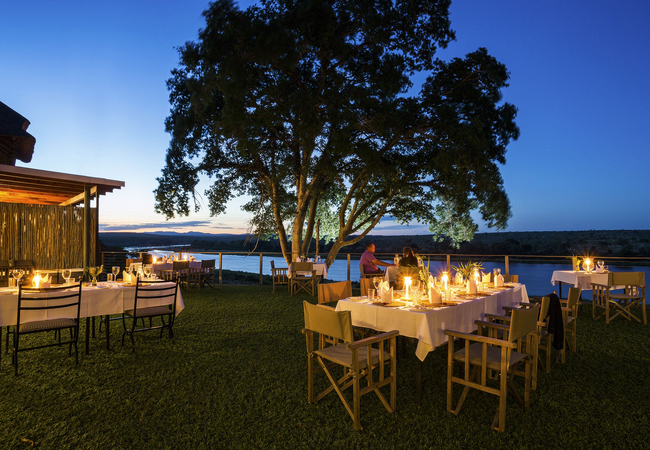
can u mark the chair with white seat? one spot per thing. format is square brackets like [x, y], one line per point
[162, 292]
[633, 296]
[359, 359]
[483, 353]
[47, 309]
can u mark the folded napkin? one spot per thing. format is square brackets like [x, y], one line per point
[600, 270]
[487, 278]
[498, 281]
[471, 287]
[434, 296]
[459, 278]
[387, 297]
[42, 282]
[384, 286]
[431, 281]
[133, 278]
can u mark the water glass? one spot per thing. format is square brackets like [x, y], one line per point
[371, 294]
[109, 277]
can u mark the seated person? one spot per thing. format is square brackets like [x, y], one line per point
[409, 259]
[370, 263]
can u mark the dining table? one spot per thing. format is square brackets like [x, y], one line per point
[579, 279]
[428, 324]
[320, 268]
[158, 267]
[104, 299]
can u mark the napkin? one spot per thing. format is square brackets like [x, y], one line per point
[384, 286]
[387, 297]
[431, 281]
[600, 270]
[434, 296]
[498, 281]
[133, 278]
[44, 282]
[487, 278]
[471, 287]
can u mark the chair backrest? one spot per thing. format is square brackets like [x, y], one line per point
[147, 258]
[130, 261]
[627, 278]
[65, 300]
[302, 267]
[543, 310]
[524, 321]
[511, 278]
[337, 324]
[361, 270]
[164, 292]
[366, 283]
[573, 297]
[180, 265]
[208, 264]
[272, 265]
[331, 292]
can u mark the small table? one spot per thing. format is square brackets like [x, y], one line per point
[320, 268]
[578, 279]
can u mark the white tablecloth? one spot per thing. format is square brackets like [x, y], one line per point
[169, 266]
[95, 301]
[582, 280]
[320, 268]
[429, 326]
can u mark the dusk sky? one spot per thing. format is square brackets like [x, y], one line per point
[90, 77]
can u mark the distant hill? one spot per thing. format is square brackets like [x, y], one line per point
[623, 243]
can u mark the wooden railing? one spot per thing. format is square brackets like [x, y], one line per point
[119, 259]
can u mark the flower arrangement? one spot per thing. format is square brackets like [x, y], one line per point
[424, 274]
[466, 269]
[94, 272]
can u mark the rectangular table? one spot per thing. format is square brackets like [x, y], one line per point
[428, 326]
[100, 300]
[169, 266]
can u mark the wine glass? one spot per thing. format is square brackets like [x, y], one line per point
[67, 273]
[415, 284]
[600, 263]
[18, 274]
[147, 271]
[116, 271]
[377, 282]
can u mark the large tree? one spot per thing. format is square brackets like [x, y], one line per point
[307, 107]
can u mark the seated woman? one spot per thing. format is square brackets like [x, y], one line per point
[409, 259]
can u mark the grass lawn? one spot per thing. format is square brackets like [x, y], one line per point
[237, 378]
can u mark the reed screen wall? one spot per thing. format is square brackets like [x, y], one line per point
[50, 236]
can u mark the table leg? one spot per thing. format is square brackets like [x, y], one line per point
[419, 382]
[560, 288]
[87, 335]
[108, 332]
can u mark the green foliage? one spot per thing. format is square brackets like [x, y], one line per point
[466, 269]
[308, 108]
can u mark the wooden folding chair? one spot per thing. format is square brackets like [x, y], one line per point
[280, 276]
[621, 304]
[332, 292]
[483, 353]
[359, 360]
[303, 277]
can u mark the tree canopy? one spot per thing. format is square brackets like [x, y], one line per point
[306, 106]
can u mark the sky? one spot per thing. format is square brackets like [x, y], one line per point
[91, 79]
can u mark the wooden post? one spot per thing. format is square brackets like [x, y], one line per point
[86, 234]
[348, 267]
[220, 269]
[261, 267]
[317, 236]
[449, 264]
[96, 235]
[507, 265]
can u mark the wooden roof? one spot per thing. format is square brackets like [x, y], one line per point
[41, 187]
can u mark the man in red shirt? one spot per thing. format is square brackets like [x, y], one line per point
[369, 261]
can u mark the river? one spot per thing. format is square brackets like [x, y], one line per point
[536, 277]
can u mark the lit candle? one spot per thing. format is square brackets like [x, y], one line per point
[587, 265]
[407, 283]
[36, 280]
[445, 277]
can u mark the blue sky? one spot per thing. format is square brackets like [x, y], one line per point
[90, 77]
